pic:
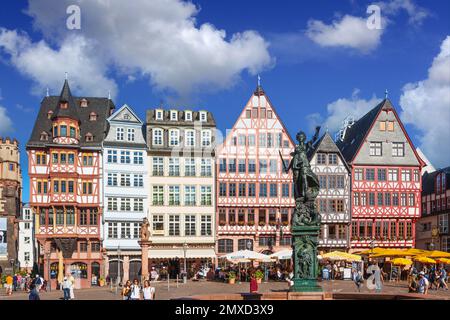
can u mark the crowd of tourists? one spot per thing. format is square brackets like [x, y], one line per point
[24, 282]
[135, 291]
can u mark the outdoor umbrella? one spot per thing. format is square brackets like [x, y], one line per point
[444, 260]
[372, 251]
[425, 260]
[282, 255]
[399, 253]
[246, 255]
[438, 254]
[338, 255]
[401, 262]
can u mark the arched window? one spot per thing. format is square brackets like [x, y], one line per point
[44, 136]
[95, 269]
[92, 116]
[174, 137]
[83, 103]
[79, 270]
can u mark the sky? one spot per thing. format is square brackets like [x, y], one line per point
[319, 61]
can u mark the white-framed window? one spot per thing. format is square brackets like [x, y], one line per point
[242, 139]
[112, 204]
[27, 215]
[189, 225]
[206, 138]
[138, 205]
[112, 156]
[174, 167]
[125, 204]
[158, 223]
[138, 180]
[393, 174]
[158, 166]
[251, 140]
[203, 116]
[205, 195]
[189, 138]
[398, 149]
[26, 256]
[131, 134]
[205, 227]
[189, 167]
[120, 134]
[125, 157]
[174, 195]
[157, 137]
[125, 230]
[27, 240]
[113, 230]
[173, 115]
[136, 230]
[273, 165]
[206, 167]
[189, 196]
[406, 175]
[188, 116]
[125, 180]
[376, 149]
[138, 157]
[158, 195]
[159, 115]
[112, 179]
[321, 158]
[332, 158]
[443, 223]
[174, 137]
[26, 226]
[174, 225]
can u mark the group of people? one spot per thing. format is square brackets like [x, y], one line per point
[19, 282]
[421, 282]
[134, 291]
[67, 287]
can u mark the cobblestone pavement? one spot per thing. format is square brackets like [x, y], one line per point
[163, 292]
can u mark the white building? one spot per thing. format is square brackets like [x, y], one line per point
[182, 187]
[26, 239]
[125, 193]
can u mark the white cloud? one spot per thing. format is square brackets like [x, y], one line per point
[46, 66]
[416, 13]
[5, 122]
[341, 108]
[159, 40]
[426, 105]
[351, 32]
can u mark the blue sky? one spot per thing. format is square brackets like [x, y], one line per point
[317, 59]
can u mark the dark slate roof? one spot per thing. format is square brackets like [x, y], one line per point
[429, 179]
[325, 144]
[151, 118]
[355, 134]
[71, 111]
[101, 106]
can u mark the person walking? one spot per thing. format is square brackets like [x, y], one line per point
[34, 293]
[148, 291]
[378, 276]
[442, 278]
[126, 290]
[423, 283]
[15, 282]
[253, 283]
[135, 290]
[357, 278]
[72, 280]
[66, 285]
[413, 285]
[9, 284]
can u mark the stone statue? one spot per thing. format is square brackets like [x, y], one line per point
[145, 230]
[304, 256]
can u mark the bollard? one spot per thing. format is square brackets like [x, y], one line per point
[177, 281]
[168, 282]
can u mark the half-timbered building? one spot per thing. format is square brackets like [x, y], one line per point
[333, 201]
[386, 180]
[254, 195]
[65, 166]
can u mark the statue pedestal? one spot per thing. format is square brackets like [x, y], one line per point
[305, 238]
[144, 258]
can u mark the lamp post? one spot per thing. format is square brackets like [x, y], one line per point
[118, 267]
[185, 247]
[48, 271]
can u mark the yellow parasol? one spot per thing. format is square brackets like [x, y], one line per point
[339, 255]
[400, 253]
[370, 251]
[425, 260]
[401, 262]
[438, 254]
[60, 267]
[444, 260]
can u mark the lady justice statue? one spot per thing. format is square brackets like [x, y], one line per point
[306, 220]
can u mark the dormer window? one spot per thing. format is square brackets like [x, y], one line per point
[203, 116]
[49, 114]
[159, 115]
[63, 105]
[188, 116]
[83, 103]
[44, 136]
[93, 116]
[173, 115]
[89, 137]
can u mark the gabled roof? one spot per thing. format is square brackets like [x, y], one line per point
[326, 144]
[130, 110]
[72, 109]
[429, 179]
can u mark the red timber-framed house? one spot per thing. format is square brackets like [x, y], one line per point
[65, 166]
[386, 180]
[254, 195]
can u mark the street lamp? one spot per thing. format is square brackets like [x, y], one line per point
[118, 265]
[48, 271]
[185, 247]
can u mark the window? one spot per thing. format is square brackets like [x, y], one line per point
[189, 195]
[203, 116]
[241, 165]
[273, 190]
[322, 182]
[225, 246]
[406, 175]
[173, 115]
[263, 190]
[331, 182]
[232, 190]
[251, 166]
[403, 199]
[205, 195]
[174, 195]
[262, 166]
[125, 157]
[63, 158]
[222, 189]
[273, 166]
[393, 175]
[332, 159]
[390, 125]
[188, 116]
[322, 205]
[59, 216]
[158, 166]
[395, 201]
[112, 204]
[120, 134]
[70, 216]
[371, 199]
[87, 160]
[285, 190]
[381, 174]
[340, 182]
[174, 225]
[138, 205]
[363, 198]
[356, 199]
[262, 140]
[138, 157]
[138, 180]
[112, 230]
[269, 114]
[379, 198]
[159, 115]
[375, 149]
[63, 131]
[112, 156]
[232, 165]
[269, 140]
[206, 168]
[248, 113]
[189, 167]
[125, 230]
[417, 176]
[190, 138]
[174, 167]
[222, 165]
[321, 158]
[245, 244]
[125, 204]
[56, 186]
[63, 186]
[266, 241]
[398, 149]
[41, 158]
[189, 225]
[242, 139]
[251, 190]
[158, 223]
[443, 223]
[158, 195]
[157, 137]
[382, 125]
[251, 140]
[72, 159]
[359, 174]
[174, 137]
[411, 200]
[231, 216]
[387, 199]
[370, 174]
[130, 134]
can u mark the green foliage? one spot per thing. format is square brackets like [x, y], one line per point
[231, 275]
[259, 274]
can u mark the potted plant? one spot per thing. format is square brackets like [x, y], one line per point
[262, 223]
[241, 223]
[232, 223]
[222, 222]
[259, 275]
[251, 223]
[285, 223]
[231, 277]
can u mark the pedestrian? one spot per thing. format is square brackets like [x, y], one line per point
[378, 276]
[413, 285]
[148, 291]
[442, 278]
[38, 282]
[34, 293]
[423, 283]
[9, 284]
[15, 282]
[126, 290]
[154, 274]
[72, 280]
[135, 290]
[253, 283]
[357, 278]
[66, 285]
